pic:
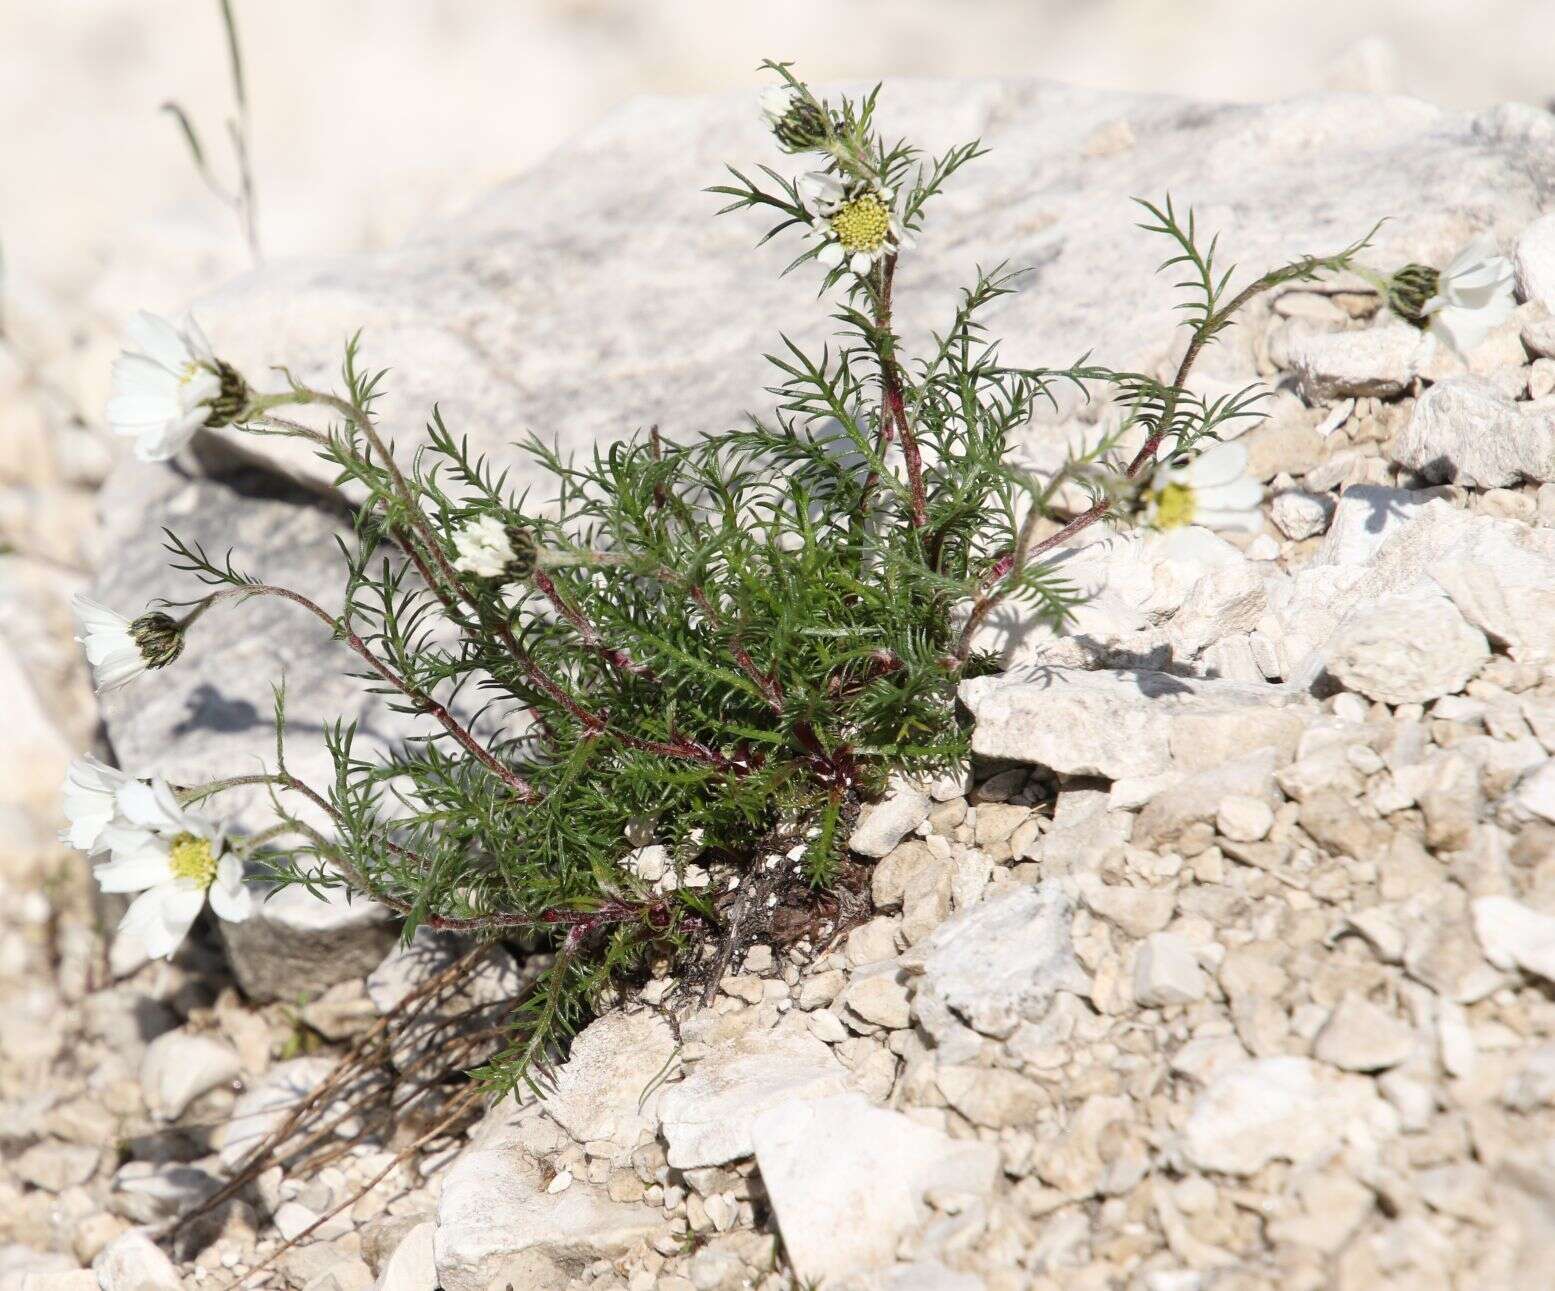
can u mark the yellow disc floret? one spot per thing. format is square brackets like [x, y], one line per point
[190, 857]
[1174, 506]
[862, 223]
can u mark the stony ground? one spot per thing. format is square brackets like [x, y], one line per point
[1229, 967]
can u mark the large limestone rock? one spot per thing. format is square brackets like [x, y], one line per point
[1464, 431]
[989, 967]
[847, 1180]
[597, 293]
[1125, 723]
[1424, 550]
[1382, 653]
[707, 1117]
[500, 1222]
[1283, 1108]
[608, 1089]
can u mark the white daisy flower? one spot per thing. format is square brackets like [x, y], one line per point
[167, 383]
[120, 649]
[176, 860]
[854, 224]
[88, 801]
[1212, 489]
[1463, 303]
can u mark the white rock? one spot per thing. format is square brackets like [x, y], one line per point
[928, 1275]
[1191, 799]
[297, 942]
[496, 1223]
[1243, 818]
[54, 1166]
[145, 1191]
[413, 1266]
[847, 1180]
[1137, 912]
[1121, 724]
[35, 752]
[1167, 972]
[649, 863]
[1513, 935]
[1360, 1036]
[993, 1097]
[1534, 1086]
[293, 1219]
[1298, 514]
[20, 1264]
[1533, 258]
[1455, 1037]
[1379, 362]
[602, 1091]
[707, 1117]
[1464, 431]
[1407, 649]
[1534, 793]
[61, 1280]
[879, 996]
[1223, 602]
[989, 967]
[266, 1103]
[133, 1262]
[1437, 546]
[178, 1067]
[884, 824]
[1282, 1108]
[1365, 516]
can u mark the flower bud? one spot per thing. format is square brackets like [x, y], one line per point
[798, 124]
[159, 639]
[526, 553]
[230, 402]
[1411, 289]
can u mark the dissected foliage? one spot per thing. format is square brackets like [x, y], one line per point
[721, 646]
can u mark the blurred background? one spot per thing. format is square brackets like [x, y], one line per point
[373, 117]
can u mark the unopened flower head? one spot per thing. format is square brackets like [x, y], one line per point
[854, 222]
[797, 122]
[487, 548]
[1212, 489]
[176, 860]
[120, 649]
[167, 383]
[1411, 289]
[1461, 304]
[158, 637]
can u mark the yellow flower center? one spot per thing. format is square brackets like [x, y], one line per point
[1174, 506]
[862, 223]
[190, 370]
[190, 857]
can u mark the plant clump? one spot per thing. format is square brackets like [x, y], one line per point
[659, 686]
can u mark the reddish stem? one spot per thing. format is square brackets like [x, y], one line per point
[585, 629]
